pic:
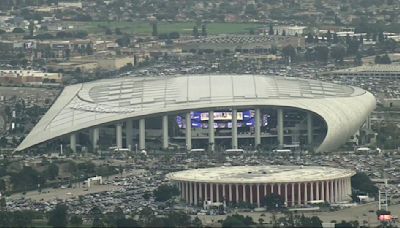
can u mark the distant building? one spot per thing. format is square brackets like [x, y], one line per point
[289, 30]
[297, 185]
[29, 77]
[375, 71]
[70, 4]
[391, 102]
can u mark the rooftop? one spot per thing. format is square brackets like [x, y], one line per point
[261, 174]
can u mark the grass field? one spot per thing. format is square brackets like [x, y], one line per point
[144, 28]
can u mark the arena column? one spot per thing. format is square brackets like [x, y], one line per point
[188, 131]
[244, 193]
[211, 136]
[142, 134]
[187, 192]
[234, 129]
[182, 190]
[72, 142]
[286, 195]
[118, 128]
[336, 190]
[272, 188]
[323, 191]
[305, 193]
[223, 192]
[312, 191]
[332, 197]
[258, 195]
[205, 191]
[299, 192]
[230, 192]
[237, 193]
[190, 193]
[211, 192]
[317, 190]
[165, 132]
[265, 189]
[195, 200]
[129, 133]
[292, 196]
[95, 137]
[349, 189]
[251, 193]
[280, 127]
[279, 189]
[201, 191]
[348, 186]
[327, 188]
[257, 126]
[217, 192]
[309, 128]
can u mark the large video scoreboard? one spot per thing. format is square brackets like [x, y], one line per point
[222, 119]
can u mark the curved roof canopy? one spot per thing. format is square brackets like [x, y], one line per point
[86, 105]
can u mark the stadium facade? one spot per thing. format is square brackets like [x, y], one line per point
[234, 184]
[151, 112]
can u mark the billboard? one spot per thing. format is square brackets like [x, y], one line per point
[222, 119]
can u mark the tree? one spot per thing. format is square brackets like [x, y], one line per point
[203, 30]
[3, 202]
[18, 30]
[146, 215]
[165, 192]
[118, 31]
[108, 31]
[310, 38]
[329, 36]
[302, 221]
[76, 220]
[123, 41]
[58, 216]
[52, 171]
[271, 30]
[196, 223]
[127, 223]
[385, 59]
[146, 196]
[289, 52]
[363, 183]
[338, 53]
[154, 29]
[195, 32]
[273, 201]
[345, 224]
[178, 219]
[237, 221]
[173, 35]
[322, 53]
[31, 28]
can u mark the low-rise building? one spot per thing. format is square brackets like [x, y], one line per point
[29, 77]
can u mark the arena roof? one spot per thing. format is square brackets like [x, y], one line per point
[261, 174]
[102, 102]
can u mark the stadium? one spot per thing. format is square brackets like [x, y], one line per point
[297, 185]
[246, 111]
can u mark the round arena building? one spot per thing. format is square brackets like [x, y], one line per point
[296, 184]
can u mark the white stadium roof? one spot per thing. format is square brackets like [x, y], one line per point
[86, 105]
[261, 174]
